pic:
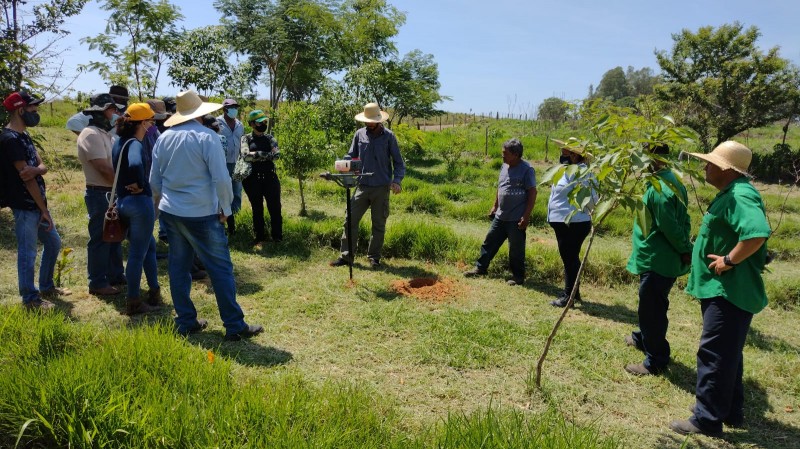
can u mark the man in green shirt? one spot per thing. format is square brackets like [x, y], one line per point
[728, 258]
[658, 257]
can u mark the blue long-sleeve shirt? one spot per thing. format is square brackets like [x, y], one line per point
[380, 155]
[134, 167]
[189, 172]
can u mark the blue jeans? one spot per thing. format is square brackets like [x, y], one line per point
[138, 212]
[28, 231]
[719, 392]
[498, 233]
[236, 205]
[204, 236]
[653, 305]
[104, 260]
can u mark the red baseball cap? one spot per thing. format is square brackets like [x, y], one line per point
[19, 100]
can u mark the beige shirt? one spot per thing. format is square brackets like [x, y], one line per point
[94, 143]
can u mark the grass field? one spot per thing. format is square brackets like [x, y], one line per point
[430, 365]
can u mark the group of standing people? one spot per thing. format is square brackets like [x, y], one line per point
[183, 176]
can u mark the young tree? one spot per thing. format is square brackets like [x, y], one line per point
[613, 86]
[620, 170]
[303, 147]
[150, 30]
[200, 60]
[553, 110]
[719, 83]
[28, 37]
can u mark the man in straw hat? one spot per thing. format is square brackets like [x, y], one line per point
[729, 255]
[379, 153]
[192, 192]
[658, 258]
[510, 214]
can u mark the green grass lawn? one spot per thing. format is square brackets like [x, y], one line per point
[443, 372]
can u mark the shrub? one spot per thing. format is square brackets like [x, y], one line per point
[420, 240]
[781, 165]
[410, 140]
[425, 201]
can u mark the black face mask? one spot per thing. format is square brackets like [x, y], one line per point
[30, 118]
[564, 160]
[261, 127]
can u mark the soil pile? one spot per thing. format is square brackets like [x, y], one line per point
[430, 289]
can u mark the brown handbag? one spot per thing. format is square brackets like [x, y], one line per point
[114, 230]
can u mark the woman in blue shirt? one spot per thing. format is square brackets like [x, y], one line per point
[570, 225]
[135, 205]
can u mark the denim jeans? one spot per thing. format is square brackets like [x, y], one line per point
[720, 363]
[376, 200]
[104, 260]
[499, 231]
[28, 231]
[236, 205]
[204, 236]
[138, 212]
[653, 305]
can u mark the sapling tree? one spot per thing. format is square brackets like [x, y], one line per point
[620, 171]
[303, 147]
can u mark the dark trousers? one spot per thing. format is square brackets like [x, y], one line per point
[498, 233]
[262, 187]
[719, 392]
[653, 305]
[570, 238]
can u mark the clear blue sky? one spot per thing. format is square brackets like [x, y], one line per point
[509, 55]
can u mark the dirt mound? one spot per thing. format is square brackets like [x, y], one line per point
[430, 289]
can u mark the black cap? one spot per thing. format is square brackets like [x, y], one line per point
[101, 102]
[120, 93]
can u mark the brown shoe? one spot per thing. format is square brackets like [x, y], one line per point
[154, 297]
[104, 291]
[638, 369]
[136, 306]
[475, 272]
[39, 304]
[685, 427]
[55, 292]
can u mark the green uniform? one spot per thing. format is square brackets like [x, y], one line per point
[661, 249]
[736, 214]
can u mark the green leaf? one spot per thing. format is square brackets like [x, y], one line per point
[552, 175]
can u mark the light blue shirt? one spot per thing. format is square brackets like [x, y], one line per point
[234, 138]
[189, 172]
[559, 207]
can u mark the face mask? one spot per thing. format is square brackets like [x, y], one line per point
[261, 127]
[232, 112]
[30, 118]
[113, 119]
[564, 160]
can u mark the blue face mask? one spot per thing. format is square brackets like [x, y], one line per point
[113, 119]
[232, 112]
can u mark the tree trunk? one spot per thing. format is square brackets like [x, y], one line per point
[303, 211]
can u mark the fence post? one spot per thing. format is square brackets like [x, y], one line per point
[486, 142]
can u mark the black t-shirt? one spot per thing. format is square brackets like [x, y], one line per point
[15, 146]
[263, 144]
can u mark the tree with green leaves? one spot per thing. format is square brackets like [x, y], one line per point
[303, 147]
[149, 30]
[28, 39]
[720, 83]
[613, 85]
[621, 170]
[553, 110]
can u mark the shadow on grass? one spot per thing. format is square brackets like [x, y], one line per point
[759, 340]
[682, 376]
[435, 178]
[7, 238]
[613, 312]
[245, 352]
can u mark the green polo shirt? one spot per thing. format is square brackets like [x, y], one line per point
[660, 250]
[736, 214]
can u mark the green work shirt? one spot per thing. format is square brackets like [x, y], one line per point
[660, 250]
[736, 214]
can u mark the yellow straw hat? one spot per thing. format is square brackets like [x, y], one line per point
[728, 155]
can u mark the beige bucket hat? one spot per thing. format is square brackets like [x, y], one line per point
[188, 106]
[372, 114]
[728, 155]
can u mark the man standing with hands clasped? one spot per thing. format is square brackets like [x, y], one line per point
[379, 153]
[729, 255]
[516, 194]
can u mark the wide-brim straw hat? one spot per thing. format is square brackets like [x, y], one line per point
[728, 155]
[372, 114]
[577, 149]
[188, 106]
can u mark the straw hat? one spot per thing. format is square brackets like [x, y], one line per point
[372, 114]
[579, 150]
[728, 155]
[190, 106]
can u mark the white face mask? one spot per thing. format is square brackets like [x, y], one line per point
[232, 112]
